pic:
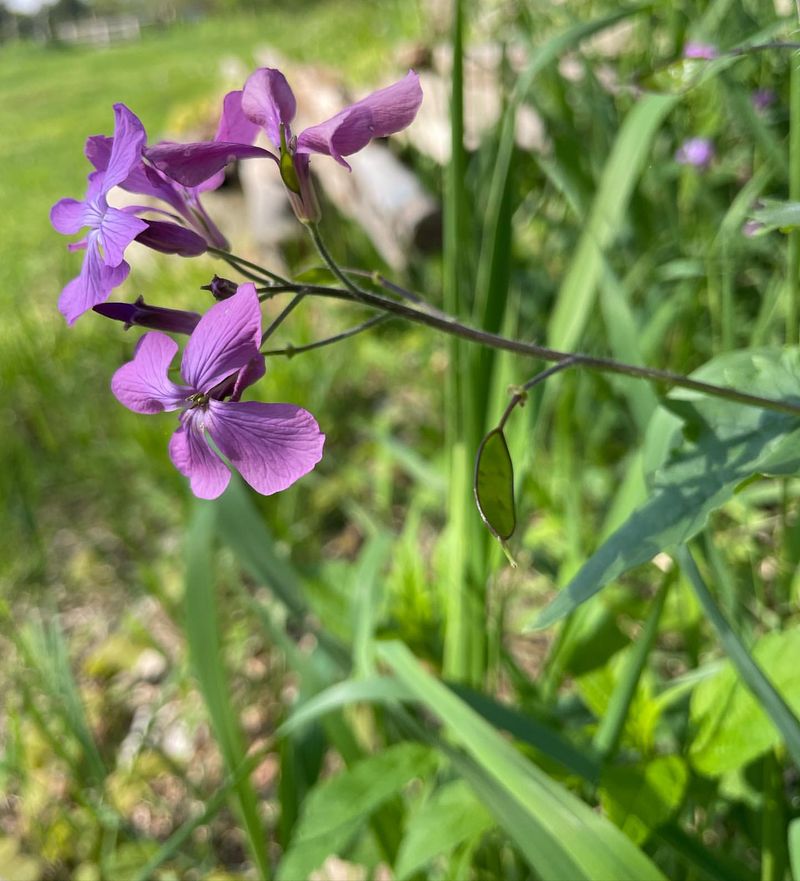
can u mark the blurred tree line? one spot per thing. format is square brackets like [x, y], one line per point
[42, 24]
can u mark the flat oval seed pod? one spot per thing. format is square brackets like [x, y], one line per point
[494, 485]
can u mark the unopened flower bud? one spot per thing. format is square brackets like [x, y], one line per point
[221, 288]
[170, 238]
[155, 317]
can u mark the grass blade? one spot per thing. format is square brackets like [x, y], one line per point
[631, 150]
[560, 836]
[204, 642]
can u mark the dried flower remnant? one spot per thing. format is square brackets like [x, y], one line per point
[267, 102]
[697, 152]
[270, 445]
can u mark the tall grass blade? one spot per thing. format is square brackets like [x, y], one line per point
[205, 652]
[629, 154]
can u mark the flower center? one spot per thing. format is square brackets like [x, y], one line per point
[199, 399]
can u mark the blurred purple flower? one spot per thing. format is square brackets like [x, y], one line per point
[110, 230]
[752, 228]
[267, 102]
[763, 99]
[703, 51]
[696, 151]
[270, 445]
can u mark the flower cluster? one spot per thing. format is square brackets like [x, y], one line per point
[270, 445]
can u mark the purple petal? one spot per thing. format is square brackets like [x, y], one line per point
[249, 374]
[192, 456]
[126, 151]
[270, 445]
[117, 230]
[142, 179]
[380, 114]
[234, 127]
[193, 164]
[67, 216]
[142, 384]
[170, 238]
[98, 150]
[234, 385]
[268, 101]
[226, 339]
[93, 285]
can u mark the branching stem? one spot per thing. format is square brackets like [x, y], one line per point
[447, 324]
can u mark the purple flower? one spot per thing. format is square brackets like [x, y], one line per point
[703, 51]
[146, 180]
[270, 445]
[267, 102]
[110, 230]
[696, 151]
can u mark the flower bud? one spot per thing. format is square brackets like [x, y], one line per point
[170, 238]
[221, 288]
[155, 317]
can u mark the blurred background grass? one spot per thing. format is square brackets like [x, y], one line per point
[93, 513]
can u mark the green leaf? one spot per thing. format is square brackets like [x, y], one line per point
[784, 216]
[558, 835]
[730, 443]
[732, 728]
[494, 485]
[450, 817]
[640, 798]
[337, 808]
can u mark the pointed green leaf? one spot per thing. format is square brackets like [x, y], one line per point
[640, 798]
[336, 808]
[451, 816]
[494, 485]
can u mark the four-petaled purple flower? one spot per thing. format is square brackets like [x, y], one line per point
[267, 102]
[110, 229]
[270, 445]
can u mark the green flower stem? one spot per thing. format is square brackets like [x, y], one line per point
[290, 350]
[238, 262]
[296, 300]
[522, 392]
[313, 231]
[449, 325]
